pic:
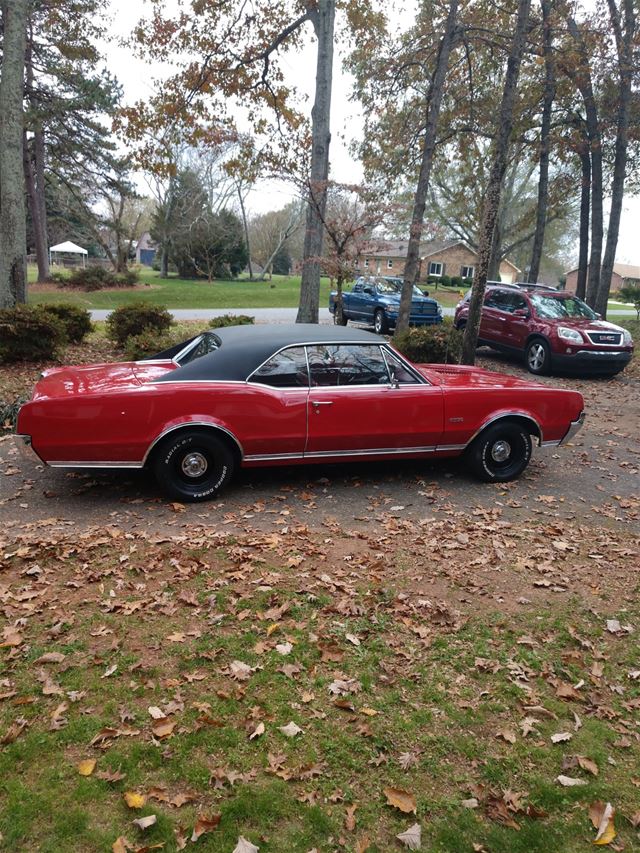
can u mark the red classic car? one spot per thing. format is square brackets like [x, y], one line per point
[281, 395]
[550, 329]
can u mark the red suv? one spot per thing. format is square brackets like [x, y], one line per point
[551, 329]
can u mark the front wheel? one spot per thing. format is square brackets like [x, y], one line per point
[538, 357]
[500, 453]
[193, 466]
[380, 324]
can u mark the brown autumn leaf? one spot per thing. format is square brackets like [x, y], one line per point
[12, 638]
[497, 810]
[601, 815]
[205, 824]
[402, 800]
[51, 657]
[110, 775]
[14, 731]
[506, 734]
[145, 822]
[86, 767]
[587, 764]
[257, 732]
[567, 691]
[120, 845]
[163, 728]
[350, 819]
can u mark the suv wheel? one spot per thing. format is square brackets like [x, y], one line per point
[538, 357]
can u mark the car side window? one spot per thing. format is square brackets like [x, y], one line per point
[518, 303]
[339, 365]
[357, 287]
[491, 299]
[398, 371]
[286, 369]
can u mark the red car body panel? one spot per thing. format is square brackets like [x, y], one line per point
[114, 414]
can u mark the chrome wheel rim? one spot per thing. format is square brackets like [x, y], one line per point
[194, 465]
[536, 356]
[501, 451]
[377, 323]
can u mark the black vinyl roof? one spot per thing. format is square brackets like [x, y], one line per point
[244, 348]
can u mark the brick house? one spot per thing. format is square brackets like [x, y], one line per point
[622, 274]
[437, 258]
[146, 250]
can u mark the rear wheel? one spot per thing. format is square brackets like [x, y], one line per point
[380, 323]
[193, 466]
[500, 453]
[538, 357]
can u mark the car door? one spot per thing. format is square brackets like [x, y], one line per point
[495, 314]
[275, 403]
[355, 409]
[355, 302]
[518, 321]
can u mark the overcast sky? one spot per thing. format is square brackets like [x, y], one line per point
[137, 78]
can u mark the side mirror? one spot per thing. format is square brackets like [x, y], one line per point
[367, 289]
[395, 382]
[599, 316]
[425, 292]
[521, 312]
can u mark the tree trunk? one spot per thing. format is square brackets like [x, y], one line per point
[323, 19]
[39, 158]
[585, 205]
[245, 225]
[13, 229]
[545, 129]
[624, 46]
[493, 272]
[434, 101]
[164, 261]
[496, 177]
[585, 86]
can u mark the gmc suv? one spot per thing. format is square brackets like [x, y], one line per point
[552, 330]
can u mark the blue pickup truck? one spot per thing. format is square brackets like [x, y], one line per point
[375, 300]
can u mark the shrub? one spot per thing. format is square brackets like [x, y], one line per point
[440, 344]
[231, 320]
[130, 320]
[76, 321]
[57, 278]
[445, 280]
[456, 281]
[30, 333]
[631, 293]
[149, 342]
[9, 414]
[95, 278]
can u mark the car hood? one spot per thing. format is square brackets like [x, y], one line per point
[586, 324]
[98, 378]
[394, 299]
[471, 377]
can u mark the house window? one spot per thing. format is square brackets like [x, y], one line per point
[467, 272]
[366, 263]
[435, 268]
[389, 264]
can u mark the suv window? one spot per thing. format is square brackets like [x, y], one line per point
[347, 364]
[286, 369]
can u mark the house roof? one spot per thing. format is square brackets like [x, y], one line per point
[623, 270]
[399, 248]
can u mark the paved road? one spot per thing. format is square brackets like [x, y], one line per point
[286, 315]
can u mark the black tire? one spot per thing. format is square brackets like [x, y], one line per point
[193, 466]
[500, 453]
[337, 322]
[537, 357]
[462, 325]
[380, 324]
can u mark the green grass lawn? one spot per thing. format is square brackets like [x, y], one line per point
[281, 292]
[233, 638]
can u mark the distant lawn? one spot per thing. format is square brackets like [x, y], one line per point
[281, 292]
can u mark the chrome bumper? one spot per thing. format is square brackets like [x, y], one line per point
[26, 449]
[575, 427]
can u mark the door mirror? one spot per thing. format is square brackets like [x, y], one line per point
[425, 292]
[521, 312]
[598, 316]
[367, 289]
[395, 382]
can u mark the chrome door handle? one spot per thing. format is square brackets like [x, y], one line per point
[322, 402]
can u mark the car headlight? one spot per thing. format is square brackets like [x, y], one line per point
[627, 340]
[570, 335]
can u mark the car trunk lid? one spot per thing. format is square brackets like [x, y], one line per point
[97, 378]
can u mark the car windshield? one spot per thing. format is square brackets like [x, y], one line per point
[393, 287]
[202, 345]
[559, 307]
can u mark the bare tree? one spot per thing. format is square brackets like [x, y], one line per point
[494, 188]
[323, 20]
[434, 101]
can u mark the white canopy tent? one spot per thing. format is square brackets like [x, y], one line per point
[68, 248]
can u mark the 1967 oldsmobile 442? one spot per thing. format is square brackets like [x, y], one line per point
[282, 395]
